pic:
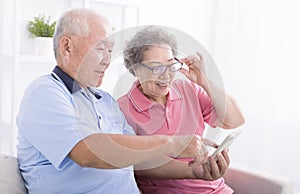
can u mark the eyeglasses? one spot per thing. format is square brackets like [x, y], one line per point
[159, 69]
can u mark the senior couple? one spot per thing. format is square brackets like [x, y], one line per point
[75, 138]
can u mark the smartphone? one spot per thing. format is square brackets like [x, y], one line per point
[226, 142]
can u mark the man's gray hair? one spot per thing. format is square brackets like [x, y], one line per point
[142, 40]
[72, 22]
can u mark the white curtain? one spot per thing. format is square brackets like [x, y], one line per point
[256, 48]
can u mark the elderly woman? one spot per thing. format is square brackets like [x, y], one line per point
[157, 104]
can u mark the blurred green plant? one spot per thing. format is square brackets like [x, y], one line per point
[41, 26]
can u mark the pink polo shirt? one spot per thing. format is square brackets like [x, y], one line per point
[188, 107]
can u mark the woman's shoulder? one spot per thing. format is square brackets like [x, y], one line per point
[186, 86]
[183, 84]
[123, 99]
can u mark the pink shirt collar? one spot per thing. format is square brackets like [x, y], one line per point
[142, 103]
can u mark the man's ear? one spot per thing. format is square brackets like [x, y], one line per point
[66, 46]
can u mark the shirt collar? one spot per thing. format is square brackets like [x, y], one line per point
[95, 93]
[174, 93]
[70, 83]
[142, 103]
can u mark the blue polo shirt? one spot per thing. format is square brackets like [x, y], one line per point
[55, 114]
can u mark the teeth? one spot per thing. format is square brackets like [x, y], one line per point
[162, 84]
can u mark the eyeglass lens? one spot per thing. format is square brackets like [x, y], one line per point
[162, 68]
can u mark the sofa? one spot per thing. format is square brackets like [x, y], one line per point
[11, 181]
[243, 181]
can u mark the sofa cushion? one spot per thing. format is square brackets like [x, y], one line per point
[11, 181]
[249, 181]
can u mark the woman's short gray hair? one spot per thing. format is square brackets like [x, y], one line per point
[72, 22]
[142, 40]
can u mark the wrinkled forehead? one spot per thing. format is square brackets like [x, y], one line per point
[103, 37]
[107, 42]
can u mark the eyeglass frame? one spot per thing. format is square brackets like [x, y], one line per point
[167, 66]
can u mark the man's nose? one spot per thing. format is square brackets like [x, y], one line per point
[106, 57]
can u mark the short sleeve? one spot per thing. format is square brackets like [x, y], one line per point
[208, 110]
[46, 120]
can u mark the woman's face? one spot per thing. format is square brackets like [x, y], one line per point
[155, 86]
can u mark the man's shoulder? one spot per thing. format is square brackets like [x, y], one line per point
[44, 85]
[44, 80]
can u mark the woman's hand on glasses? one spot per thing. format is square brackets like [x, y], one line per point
[196, 68]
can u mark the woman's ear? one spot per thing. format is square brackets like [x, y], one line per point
[65, 46]
[136, 71]
[133, 70]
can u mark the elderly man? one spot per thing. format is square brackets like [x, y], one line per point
[73, 138]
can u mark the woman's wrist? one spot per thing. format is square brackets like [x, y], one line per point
[197, 171]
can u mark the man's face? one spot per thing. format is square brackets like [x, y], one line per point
[93, 54]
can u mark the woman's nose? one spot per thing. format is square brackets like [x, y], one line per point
[167, 73]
